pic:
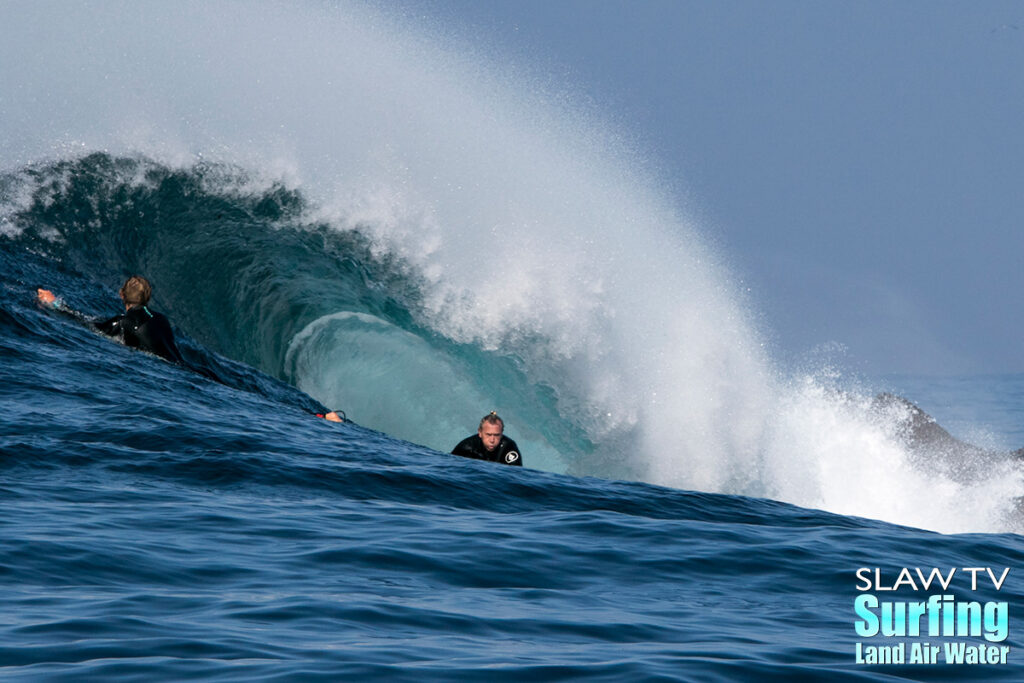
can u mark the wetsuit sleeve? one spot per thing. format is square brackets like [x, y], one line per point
[58, 306]
[111, 327]
[464, 449]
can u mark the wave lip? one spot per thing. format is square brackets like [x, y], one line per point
[544, 269]
[325, 308]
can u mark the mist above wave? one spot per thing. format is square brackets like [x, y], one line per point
[516, 225]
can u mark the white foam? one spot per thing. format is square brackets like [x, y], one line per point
[528, 219]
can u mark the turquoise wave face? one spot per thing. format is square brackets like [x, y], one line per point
[182, 529]
[249, 269]
[244, 272]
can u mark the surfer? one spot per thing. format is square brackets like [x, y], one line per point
[490, 443]
[138, 327]
[141, 328]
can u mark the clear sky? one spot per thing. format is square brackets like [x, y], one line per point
[860, 164]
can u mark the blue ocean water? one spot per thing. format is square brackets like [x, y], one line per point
[339, 209]
[165, 524]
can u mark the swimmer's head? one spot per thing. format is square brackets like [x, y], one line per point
[492, 418]
[136, 291]
[490, 431]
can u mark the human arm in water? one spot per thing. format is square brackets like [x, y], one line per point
[110, 327]
[137, 327]
[140, 328]
[50, 300]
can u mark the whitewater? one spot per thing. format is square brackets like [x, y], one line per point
[344, 208]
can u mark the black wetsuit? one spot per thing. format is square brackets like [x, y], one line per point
[507, 451]
[141, 328]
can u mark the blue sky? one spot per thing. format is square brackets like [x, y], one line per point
[858, 163]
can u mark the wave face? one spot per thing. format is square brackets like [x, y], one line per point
[417, 236]
[160, 526]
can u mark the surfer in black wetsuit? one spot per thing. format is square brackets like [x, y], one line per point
[138, 327]
[490, 443]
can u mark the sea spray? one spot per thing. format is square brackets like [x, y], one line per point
[526, 248]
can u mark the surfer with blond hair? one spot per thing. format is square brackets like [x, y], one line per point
[138, 327]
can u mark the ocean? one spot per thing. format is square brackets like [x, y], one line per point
[690, 509]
